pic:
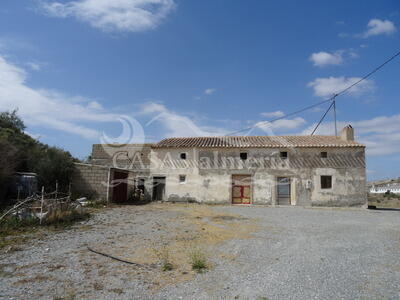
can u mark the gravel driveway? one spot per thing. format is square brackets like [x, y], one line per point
[254, 253]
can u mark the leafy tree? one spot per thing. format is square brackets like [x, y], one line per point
[20, 152]
[11, 120]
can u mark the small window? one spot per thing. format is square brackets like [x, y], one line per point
[243, 155]
[326, 182]
[284, 154]
[183, 155]
[324, 154]
[182, 178]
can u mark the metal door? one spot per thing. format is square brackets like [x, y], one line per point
[283, 190]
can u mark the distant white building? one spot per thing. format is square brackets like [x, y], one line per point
[381, 189]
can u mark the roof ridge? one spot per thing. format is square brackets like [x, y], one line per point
[247, 136]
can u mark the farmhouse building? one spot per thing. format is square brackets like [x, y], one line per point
[271, 170]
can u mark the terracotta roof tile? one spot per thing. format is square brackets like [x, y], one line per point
[314, 141]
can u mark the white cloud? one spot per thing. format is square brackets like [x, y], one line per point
[209, 91]
[175, 124]
[283, 124]
[377, 27]
[327, 87]
[34, 66]
[48, 108]
[381, 134]
[321, 59]
[273, 114]
[113, 15]
[94, 105]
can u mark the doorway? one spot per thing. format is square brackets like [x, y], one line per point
[158, 188]
[283, 190]
[120, 187]
[241, 189]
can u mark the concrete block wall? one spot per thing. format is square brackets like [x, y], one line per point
[90, 181]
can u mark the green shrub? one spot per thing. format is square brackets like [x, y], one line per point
[198, 261]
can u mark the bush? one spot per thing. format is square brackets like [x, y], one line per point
[198, 261]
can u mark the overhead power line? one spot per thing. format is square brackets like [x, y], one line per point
[331, 99]
[323, 117]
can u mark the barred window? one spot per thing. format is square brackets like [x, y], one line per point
[326, 182]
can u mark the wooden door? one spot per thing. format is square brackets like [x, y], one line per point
[120, 189]
[241, 189]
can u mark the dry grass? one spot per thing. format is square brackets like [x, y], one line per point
[200, 228]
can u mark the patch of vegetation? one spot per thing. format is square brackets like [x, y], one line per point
[167, 266]
[198, 260]
[391, 195]
[97, 204]
[163, 255]
[12, 228]
[65, 218]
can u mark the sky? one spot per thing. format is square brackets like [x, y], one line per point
[90, 71]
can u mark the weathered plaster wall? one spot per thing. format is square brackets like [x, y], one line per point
[209, 172]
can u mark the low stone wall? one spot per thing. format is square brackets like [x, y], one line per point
[90, 181]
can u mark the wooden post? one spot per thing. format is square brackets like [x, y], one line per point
[56, 190]
[41, 206]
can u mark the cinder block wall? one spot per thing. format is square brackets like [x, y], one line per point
[90, 181]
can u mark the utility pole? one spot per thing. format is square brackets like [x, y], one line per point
[334, 112]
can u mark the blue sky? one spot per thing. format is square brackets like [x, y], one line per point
[80, 70]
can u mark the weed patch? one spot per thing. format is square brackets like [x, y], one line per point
[198, 260]
[13, 228]
[163, 255]
[65, 218]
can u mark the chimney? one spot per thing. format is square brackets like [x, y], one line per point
[347, 133]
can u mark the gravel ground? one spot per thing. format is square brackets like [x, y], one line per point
[295, 253]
